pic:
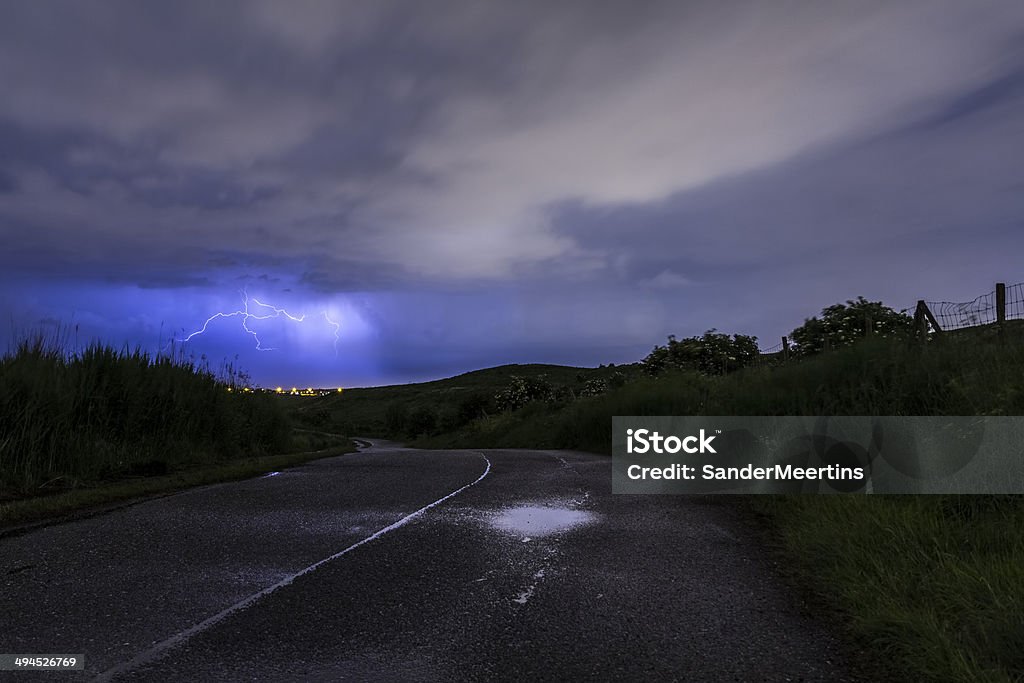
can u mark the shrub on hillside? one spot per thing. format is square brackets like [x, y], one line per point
[713, 353]
[845, 324]
[561, 394]
[593, 387]
[520, 391]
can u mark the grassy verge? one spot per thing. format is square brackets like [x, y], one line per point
[67, 418]
[105, 494]
[933, 585]
[84, 429]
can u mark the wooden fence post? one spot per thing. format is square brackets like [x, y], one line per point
[920, 322]
[923, 316]
[785, 349]
[1000, 303]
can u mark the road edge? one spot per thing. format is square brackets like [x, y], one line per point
[92, 502]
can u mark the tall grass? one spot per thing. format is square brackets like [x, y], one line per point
[933, 584]
[100, 412]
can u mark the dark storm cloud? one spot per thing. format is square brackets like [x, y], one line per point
[573, 164]
[396, 135]
[171, 131]
[933, 209]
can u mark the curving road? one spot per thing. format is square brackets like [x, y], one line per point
[398, 564]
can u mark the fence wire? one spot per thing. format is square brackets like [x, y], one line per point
[769, 356]
[950, 315]
[956, 316]
[1015, 301]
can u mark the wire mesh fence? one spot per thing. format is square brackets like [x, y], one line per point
[956, 316]
[1015, 302]
[1005, 302]
[770, 356]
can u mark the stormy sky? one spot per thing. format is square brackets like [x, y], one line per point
[463, 184]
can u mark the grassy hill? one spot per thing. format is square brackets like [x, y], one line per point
[971, 372]
[416, 411]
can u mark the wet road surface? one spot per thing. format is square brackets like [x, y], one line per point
[397, 564]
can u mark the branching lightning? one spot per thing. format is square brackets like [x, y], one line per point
[272, 312]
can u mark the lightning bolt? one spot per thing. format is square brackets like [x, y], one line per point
[337, 330]
[262, 312]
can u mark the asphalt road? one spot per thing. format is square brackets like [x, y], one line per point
[396, 564]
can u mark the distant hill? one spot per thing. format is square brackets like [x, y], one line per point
[377, 411]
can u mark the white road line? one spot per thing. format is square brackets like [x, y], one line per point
[163, 646]
[565, 463]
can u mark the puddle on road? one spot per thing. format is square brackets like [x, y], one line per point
[534, 520]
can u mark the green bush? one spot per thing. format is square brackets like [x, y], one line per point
[713, 353]
[522, 390]
[846, 324]
[593, 387]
